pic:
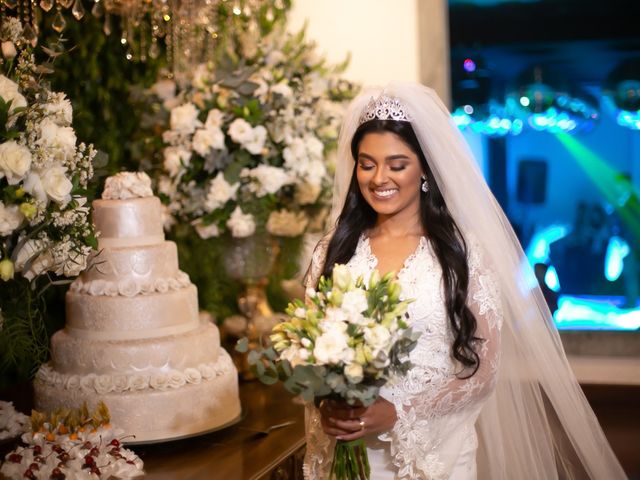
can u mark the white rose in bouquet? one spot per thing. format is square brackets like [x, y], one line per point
[184, 119]
[220, 192]
[241, 224]
[354, 372]
[332, 347]
[15, 161]
[10, 219]
[56, 184]
[9, 92]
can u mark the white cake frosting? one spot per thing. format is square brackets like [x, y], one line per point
[133, 335]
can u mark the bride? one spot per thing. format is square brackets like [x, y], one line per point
[490, 394]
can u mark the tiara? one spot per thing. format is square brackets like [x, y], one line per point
[385, 108]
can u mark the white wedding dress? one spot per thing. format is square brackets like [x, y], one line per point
[434, 436]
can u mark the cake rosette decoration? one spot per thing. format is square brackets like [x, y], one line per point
[344, 343]
[72, 444]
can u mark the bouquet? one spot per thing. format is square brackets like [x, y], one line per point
[45, 230]
[348, 339]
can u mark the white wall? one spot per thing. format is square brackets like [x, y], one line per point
[382, 36]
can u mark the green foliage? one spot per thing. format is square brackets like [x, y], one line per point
[97, 78]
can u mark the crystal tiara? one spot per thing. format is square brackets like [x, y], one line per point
[385, 108]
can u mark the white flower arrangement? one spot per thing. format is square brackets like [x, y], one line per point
[240, 146]
[44, 173]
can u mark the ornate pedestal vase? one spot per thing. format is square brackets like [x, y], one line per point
[250, 260]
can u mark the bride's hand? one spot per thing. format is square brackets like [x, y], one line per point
[350, 423]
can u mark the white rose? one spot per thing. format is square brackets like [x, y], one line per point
[175, 159]
[241, 224]
[159, 381]
[72, 383]
[176, 379]
[354, 372]
[103, 384]
[287, 224]
[270, 179]
[307, 193]
[332, 348]
[10, 219]
[120, 383]
[87, 382]
[56, 184]
[207, 371]
[184, 119]
[214, 119]
[137, 382]
[282, 89]
[164, 89]
[36, 253]
[9, 91]
[354, 302]
[207, 231]
[60, 140]
[9, 50]
[220, 192]
[240, 131]
[96, 287]
[377, 337]
[193, 375]
[15, 161]
[206, 139]
[128, 287]
[255, 144]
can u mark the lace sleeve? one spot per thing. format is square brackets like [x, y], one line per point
[311, 277]
[434, 407]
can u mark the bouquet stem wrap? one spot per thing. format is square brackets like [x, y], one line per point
[350, 461]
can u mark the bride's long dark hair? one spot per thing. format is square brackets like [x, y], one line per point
[446, 239]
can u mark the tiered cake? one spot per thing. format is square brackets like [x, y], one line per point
[133, 336]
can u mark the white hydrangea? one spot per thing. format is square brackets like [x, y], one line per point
[241, 224]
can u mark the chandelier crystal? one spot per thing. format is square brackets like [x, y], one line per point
[188, 29]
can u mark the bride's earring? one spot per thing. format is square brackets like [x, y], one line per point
[425, 185]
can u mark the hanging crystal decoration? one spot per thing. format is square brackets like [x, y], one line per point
[78, 10]
[188, 28]
[46, 5]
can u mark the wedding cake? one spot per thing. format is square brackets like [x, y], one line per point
[133, 336]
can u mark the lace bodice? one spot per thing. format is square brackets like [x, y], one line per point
[436, 408]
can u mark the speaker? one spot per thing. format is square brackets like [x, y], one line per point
[532, 181]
